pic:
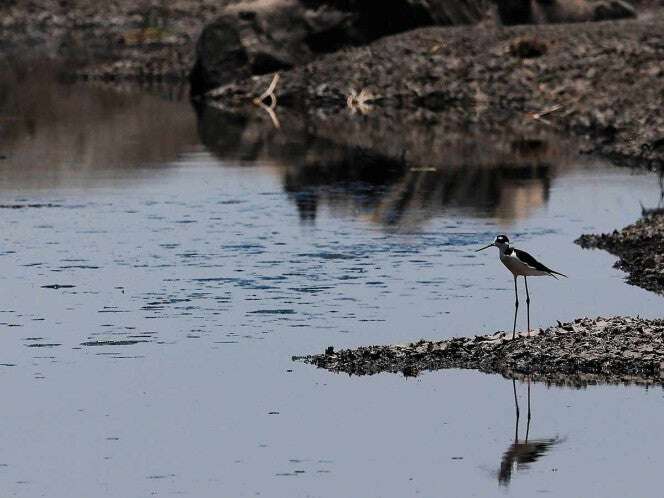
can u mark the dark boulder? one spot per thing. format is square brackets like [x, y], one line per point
[613, 9]
[371, 20]
[262, 36]
[511, 12]
[251, 38]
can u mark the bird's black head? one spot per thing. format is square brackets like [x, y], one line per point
[501, 242]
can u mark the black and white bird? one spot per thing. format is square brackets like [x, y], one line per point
[521, 264]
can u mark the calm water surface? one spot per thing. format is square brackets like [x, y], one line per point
[159, 269]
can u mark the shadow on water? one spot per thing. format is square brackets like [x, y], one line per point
[522, 452]
[395, 172]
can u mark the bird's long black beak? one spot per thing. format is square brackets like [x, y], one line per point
[485, 247]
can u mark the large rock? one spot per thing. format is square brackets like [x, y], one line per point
[248, 39]
[262, 36]
[513, 12]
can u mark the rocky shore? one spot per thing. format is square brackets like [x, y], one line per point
[141, 41]
[639, 247]
[600, 82]
[586, 351]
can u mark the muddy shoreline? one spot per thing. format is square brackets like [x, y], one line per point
[586, 351]
[639, 249]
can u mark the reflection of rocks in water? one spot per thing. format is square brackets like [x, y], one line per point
[395, 195]
[307, 205]
[522, 452]
[55, 133]
[505, 191]
[395, 172]
[354, 181]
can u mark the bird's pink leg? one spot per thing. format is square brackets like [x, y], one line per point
[516, 307]
[527, 304]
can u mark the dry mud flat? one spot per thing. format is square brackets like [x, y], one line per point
[640, 248]
[586, 351]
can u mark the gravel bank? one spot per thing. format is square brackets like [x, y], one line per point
[639, 247]
[602, 81]
[586, 351]
[143, 40]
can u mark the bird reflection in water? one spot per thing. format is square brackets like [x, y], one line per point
[522, 452]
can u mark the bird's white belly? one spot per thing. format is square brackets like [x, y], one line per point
[519, 268]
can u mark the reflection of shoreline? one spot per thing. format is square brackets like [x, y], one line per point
[65, 134]
[522, 452]
[505, 192]
[397, 176]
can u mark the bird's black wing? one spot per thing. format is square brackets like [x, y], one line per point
[533, 263]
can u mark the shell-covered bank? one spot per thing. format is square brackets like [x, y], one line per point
[585, 351]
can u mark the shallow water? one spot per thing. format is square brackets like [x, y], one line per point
[155, 289]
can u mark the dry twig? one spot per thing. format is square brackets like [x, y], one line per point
[539, 116]
[360, 101]
[269, 93]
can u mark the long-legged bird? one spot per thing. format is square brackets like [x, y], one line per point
[520, 263]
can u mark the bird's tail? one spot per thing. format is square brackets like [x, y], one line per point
[554, 273]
